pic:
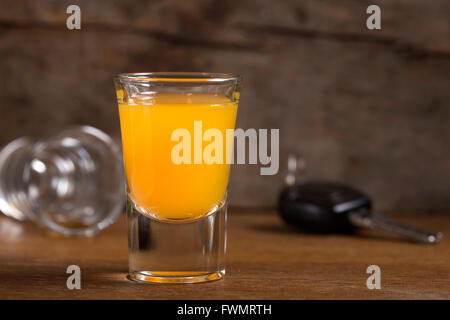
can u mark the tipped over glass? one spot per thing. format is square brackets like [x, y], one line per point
[72, 182]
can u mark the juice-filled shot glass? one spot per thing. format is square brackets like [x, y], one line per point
[177, 136]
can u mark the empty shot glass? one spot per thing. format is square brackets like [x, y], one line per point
[175, 129]
[72, 182]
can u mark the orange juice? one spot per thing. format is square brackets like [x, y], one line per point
[158, 186]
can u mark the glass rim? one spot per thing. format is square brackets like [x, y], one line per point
[181, 77]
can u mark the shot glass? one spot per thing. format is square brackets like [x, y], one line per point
[72, 182]
[177, 136]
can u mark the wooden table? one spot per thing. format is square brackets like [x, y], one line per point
[265, 260]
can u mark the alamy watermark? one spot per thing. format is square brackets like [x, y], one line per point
[73, 22]
[74, 280]
[219, 148]
[373, 22]
[374, 280]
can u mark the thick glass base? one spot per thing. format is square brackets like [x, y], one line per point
[176, 277]
[176, 251]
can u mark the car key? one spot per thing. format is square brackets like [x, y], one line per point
[326, 207]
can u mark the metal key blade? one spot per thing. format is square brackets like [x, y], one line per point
[363, 218]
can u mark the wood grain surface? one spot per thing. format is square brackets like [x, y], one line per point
[265, 260]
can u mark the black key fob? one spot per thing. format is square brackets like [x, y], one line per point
[321, 207]
[327, 207]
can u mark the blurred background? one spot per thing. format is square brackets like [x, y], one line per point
[365, 107]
